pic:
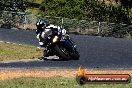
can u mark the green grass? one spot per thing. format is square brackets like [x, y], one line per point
[54, 82]
[14, 51]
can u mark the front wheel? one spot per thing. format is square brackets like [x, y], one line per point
[62, 52]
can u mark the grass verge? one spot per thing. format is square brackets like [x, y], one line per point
[9, 51]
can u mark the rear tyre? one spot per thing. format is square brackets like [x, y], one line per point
[62, 52]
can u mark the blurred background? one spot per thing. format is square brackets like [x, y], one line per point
[106, 18]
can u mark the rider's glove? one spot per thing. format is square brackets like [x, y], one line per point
[63, 31]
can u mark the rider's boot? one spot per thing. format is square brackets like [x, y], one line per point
[45, 52]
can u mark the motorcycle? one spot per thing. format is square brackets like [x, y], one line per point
[62, 46]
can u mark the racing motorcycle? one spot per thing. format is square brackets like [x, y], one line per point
[62, 46]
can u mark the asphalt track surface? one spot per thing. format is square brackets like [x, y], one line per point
[95, 52]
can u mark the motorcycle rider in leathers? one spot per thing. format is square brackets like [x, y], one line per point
[43, 31]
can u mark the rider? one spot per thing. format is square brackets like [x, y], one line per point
[43, 31]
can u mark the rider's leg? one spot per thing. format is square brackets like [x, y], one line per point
[45, 35]
[45, 40]
[42, 43]
[40, 39]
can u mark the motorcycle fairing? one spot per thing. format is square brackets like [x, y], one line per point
[67, 43]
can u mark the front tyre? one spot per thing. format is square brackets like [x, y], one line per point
[62, 52]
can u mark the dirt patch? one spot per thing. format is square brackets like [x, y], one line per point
[17, 73]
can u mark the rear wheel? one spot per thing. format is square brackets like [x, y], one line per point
[62, 52]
